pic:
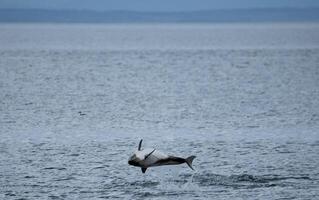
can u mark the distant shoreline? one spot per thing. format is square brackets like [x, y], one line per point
[204, 16]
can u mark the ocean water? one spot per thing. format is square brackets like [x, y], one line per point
[75, 99]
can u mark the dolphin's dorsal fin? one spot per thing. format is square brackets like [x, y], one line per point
[149, 154]
[143, 170]
[140, 145]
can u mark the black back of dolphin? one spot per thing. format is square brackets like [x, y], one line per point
[172, 160]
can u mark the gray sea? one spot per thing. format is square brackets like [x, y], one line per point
[75, 99]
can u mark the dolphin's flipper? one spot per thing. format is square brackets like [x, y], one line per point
[143, 170]
[140, 145]
[149, 154]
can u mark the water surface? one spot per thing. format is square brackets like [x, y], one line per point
[76, 99]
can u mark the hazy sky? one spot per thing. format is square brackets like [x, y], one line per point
[155, 5]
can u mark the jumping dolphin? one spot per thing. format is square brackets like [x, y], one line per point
[152, 158]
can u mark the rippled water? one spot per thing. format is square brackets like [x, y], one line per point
[76, 99]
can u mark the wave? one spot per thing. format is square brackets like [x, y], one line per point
[243, 180]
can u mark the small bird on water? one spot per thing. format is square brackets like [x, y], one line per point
[151, 158]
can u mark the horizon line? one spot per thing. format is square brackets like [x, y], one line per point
[160, 11]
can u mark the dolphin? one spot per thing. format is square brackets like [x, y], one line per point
[151, 158]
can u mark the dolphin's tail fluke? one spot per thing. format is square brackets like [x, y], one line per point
[189, 161]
